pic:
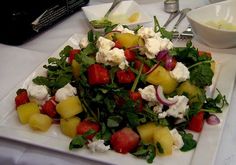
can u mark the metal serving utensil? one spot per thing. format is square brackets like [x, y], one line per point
[114, 4]
[171, 17]
[185, 35]
[172, 7]
[182, 16]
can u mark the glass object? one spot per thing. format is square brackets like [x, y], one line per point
[171, 6]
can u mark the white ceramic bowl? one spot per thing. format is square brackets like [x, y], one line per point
[213, 37]
[121, 12]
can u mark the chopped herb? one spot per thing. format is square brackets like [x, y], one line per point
[80, 140]
[189, 142]
[147, 152]
[159, 148]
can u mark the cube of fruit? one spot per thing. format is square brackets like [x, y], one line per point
[40, 122]
[25, 111]
[127, 40]
[160, 76]
[69, 107]
[191, 91]
[111, 35]
[146, 132]
[68, 126]
[163, 140]
[75, 68]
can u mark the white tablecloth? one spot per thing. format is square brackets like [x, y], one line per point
[17, 62]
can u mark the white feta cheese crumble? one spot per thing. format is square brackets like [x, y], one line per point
[122, 29]
[162, 115]
[38, 92]
[148, 93]
[112, 57]
[65, 92]
[101, 56]
[177, 138]
[98, 146]
[157, 35]
[146, 32]
[158, 108]
[105, 44]
[180, 72]
[117, 57]
[179, 108]
[155, 45]
[152, 46]
[83, 42]
[166, 44]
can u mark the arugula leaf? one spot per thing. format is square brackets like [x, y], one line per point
[62, 80]
[194, 108]
[93, 36]
[215, 105]
[59, 72]
[162, 30]
[147, 152]
[65, 51]
[133, 119]
[189, 142]
[109, 28]
[80, 140]
[159, 148]
[104, 134]
[114, 121]
[40, 80]
[201, 75]
[110, 104]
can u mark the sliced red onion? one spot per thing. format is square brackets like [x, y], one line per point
[213, 120]
[170, 63]
[162, 55]
[152, 68]
[161, 97]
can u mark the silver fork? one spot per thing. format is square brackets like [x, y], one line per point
[171, 17]
[185, 35]
[188, 32]
[181, 17]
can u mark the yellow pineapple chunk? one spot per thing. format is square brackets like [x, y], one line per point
[146, 132]
[127, 40]
[193, 92]
[163, 141]
[25, 111]
[69, 107]
[68, 126]
[75, 68]
[40, 122]
[160, 76]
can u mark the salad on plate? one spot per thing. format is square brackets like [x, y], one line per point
[127, 90]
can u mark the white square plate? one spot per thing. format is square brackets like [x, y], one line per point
[204, 154]
[120, 14]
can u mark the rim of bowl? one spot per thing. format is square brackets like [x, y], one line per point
[207, 6]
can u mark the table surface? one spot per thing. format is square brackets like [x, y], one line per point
[28, 56]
